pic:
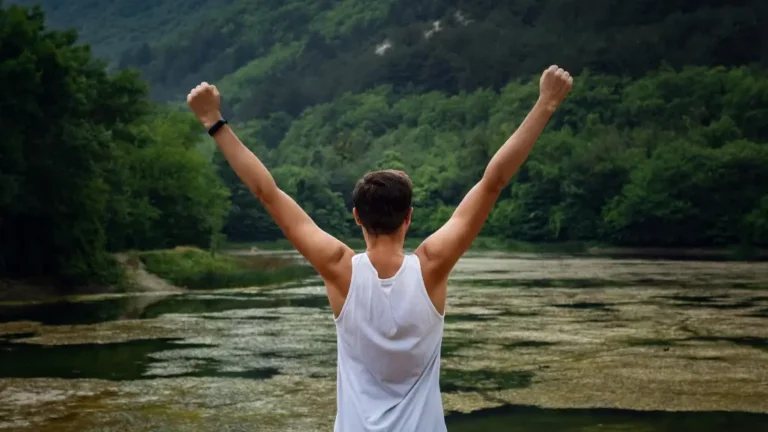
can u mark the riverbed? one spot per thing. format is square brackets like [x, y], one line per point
[532, 343]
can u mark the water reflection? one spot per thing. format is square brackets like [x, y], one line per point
[148, 307]
[529, 419]
[111, 361]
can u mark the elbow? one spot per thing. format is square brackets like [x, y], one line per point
[493, 183]
[266, 195]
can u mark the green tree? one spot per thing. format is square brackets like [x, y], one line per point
[57, 139]
[89, 164]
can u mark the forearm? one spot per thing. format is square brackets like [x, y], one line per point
[470, 215]
[246, 165]
[442, 250]
[508, 159]
[287, 214]
[322, 250]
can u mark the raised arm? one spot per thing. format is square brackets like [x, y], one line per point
[440, 251]
[323, 251]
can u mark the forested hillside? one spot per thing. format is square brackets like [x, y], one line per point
[674, 158]
[663, 141]
[276, 55]
[88, 164]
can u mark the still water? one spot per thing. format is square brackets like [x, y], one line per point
[531, 344]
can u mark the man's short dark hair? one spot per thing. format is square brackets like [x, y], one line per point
[383, 200]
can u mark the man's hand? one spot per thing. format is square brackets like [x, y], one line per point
[554, 86]
[205, 102]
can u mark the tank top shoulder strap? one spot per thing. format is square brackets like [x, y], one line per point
[415, 276]
[358, 266]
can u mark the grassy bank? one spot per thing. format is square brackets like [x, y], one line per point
[197, 269]
[481, 244]
[728, 253]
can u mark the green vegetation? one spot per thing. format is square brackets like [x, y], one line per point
[662, 143]
[198, 269]
[317, 50]
[619, 165]
[89, 165]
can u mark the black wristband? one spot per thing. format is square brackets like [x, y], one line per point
[216, 126]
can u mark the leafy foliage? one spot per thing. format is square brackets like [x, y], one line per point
[88, 163]
[675, 158]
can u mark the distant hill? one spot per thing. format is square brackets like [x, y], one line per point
[275, 55]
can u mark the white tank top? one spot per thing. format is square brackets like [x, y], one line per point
[389, 335]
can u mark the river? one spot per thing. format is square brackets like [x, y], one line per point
[531, 343]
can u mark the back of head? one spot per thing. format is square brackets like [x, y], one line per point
[382, 200]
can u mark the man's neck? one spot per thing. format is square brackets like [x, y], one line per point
[384, 245]
[386, 254]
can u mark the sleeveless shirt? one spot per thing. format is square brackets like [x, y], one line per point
[389, 336]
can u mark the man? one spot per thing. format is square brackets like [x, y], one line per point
[388, 306]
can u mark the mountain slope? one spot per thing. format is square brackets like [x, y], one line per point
[112, 27]
[287, 55]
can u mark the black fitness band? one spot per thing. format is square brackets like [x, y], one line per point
[216, 126]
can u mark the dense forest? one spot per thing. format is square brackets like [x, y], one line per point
[663, 141]
[88, 164]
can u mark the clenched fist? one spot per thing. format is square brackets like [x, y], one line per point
[554, 86]
[205, 102]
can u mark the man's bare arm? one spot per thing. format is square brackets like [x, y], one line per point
[443, 249]
[322, 250]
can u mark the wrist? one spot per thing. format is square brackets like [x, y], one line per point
[209, 121]
[547, 104]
